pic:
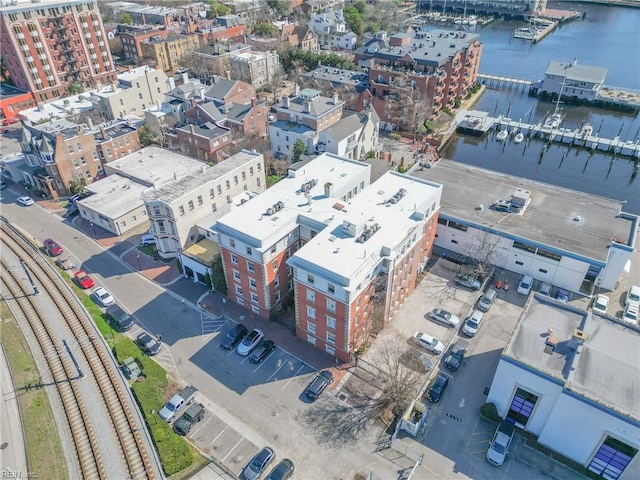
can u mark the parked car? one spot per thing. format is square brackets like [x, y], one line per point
[148, 344]
[258, 464]
[472, 324]
[563, 295]
[282, 471]
[250, 342]
[25, 201]
[262, 351]
[633, 296]
[175, 403]
[600, 304]
[122, 319]
[524, 287]
[419, 359]
[545, 289]
[233, 337]
[456, 354]
[84, 280]
[103, 296]
[468, 281]
[319, 384]
[499, 446]
[486, 300]
[448, 319]
[65, 263]
[430, 343]
[630, 313]
[147, 239]
[52, 248]
[193, 415]
[437, 388]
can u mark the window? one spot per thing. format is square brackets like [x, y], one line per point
[331, 305]
[612, 458]
[251, 171]
[548, 254]
[275, 264]
[181, 210]
[238, 289]
[258, 183]
[521, 408]
[211, 194]
[330, 350]
[244, 176]
[234, 259]
[277, 295]
[523, 246]
[228, 198]
[289, 271]
[519, 263]
[276, 282]
[236, 275]
[252, 283]
[83, 160]
[311, 339]
[219, 189]
[235, 179]
[311, 327]
[255, 309]
[331, 322]
[70, 148]
[214, 207]
[311, 295]
[232, 243]
[331, 289]
[250, 267]
[199, 199]
[190, 204]
[227, 184]
[311, 312]
[310, 279]
[249, 250]
[254, 297]
[542, 270]
[331, 338]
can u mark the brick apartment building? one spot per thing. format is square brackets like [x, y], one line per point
[201, 141]
[49, 45]
[133, 36]
[13, 100]
[61, 154]
[347, 251]
[419, 72]
[167, 52]
[228, 29]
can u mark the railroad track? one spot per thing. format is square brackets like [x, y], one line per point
[122, 419]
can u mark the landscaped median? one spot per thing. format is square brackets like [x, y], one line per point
[175, 453]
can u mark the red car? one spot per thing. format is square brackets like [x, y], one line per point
[52, 248]
[84, 280]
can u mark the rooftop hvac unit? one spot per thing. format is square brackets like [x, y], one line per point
[280, 204]
[270, 211]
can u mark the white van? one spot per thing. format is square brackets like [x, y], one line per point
[147, 239]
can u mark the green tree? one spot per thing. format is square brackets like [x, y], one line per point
[360, 6]
[217, 9]
[299, 149]
[217, 278]
[279, 7]
[126, 19]
[265, 29]
[74, 89]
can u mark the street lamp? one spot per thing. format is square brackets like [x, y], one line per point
[138, 258]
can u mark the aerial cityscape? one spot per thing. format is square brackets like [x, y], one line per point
[320, 239]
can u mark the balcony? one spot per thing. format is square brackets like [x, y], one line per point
[20, 36]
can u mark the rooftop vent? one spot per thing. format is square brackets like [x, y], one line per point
[397, 196]
[579, 335]
[306, 186]
[368, 233]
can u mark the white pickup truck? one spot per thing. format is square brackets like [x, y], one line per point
[182, 398]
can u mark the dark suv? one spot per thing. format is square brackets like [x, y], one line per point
[319, 384]
[233, 337]
[119, 317]
[454, 359]
[438, 387]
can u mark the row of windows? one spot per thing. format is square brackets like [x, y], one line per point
[311, 297]
[331, 337]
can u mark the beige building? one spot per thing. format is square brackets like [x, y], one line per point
[175, 208]
[256, 68]
[136, 90]
[167, 52]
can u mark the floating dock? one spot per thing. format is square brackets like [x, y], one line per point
[479, 123]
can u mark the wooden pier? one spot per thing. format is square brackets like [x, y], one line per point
[503, 81]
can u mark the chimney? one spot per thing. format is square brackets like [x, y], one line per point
[328, 189]
[172, 83]
[201, 92]
[89, 123]
[185, 77]
[285, 102]
[227, 73]
[336, 99]
[192, 129]
[254, 102]
[103, 132]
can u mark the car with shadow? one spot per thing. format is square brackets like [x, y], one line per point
[443, 317]
[52, 248]
[148, 344]
[282, 471]
[65, 263]
[262, 351]
[258, 464]
[121, 319]
[233, 337]
[250, 341]
[428, 342]
[468, 281]
[437, 388]
[456, 354]
[83, 280]
[319, 384]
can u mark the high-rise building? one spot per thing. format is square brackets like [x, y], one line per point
[51, 46]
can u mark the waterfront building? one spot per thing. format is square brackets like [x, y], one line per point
[573, 81]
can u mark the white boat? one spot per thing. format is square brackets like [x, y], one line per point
[518, 138]
[554, 120]
[586, 131]
[473, 22]
[502, 135]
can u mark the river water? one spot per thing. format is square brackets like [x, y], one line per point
[607, 37]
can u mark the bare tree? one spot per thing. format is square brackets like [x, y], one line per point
[484, 251]
[395, 385]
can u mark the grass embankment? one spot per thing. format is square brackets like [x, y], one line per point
[44, 451]
[174, 451]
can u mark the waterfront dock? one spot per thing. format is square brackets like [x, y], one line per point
[479, 123]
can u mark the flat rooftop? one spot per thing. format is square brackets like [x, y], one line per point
[259, 229]
[560, 218]
[8, 91]
[204, 250]
[184, 185]
[339, 253]
[155, 166]
[607, 369]
[114, 196]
